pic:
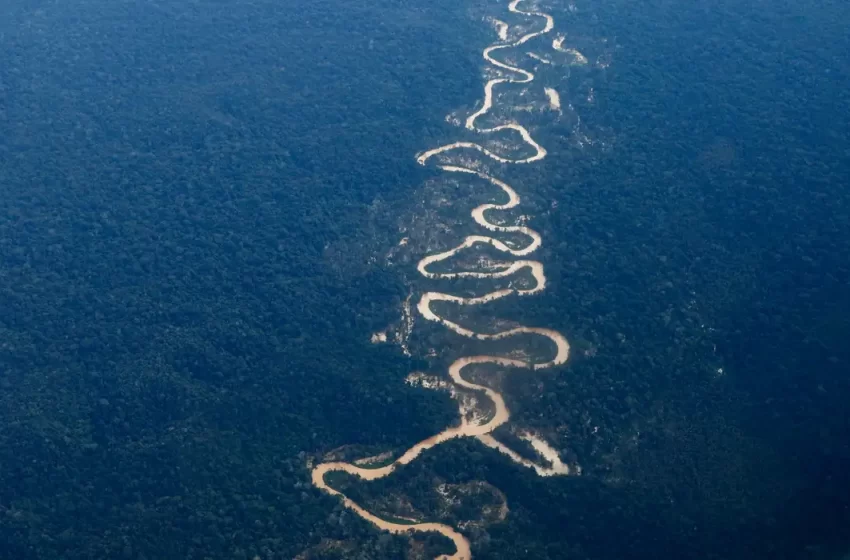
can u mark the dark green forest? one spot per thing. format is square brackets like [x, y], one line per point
[191, 197]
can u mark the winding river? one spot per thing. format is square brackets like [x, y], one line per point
[472, 428]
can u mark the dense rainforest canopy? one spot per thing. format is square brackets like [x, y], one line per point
[196, 204]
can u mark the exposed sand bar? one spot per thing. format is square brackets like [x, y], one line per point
[501, 29]
[554, 98]
[558, 45]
